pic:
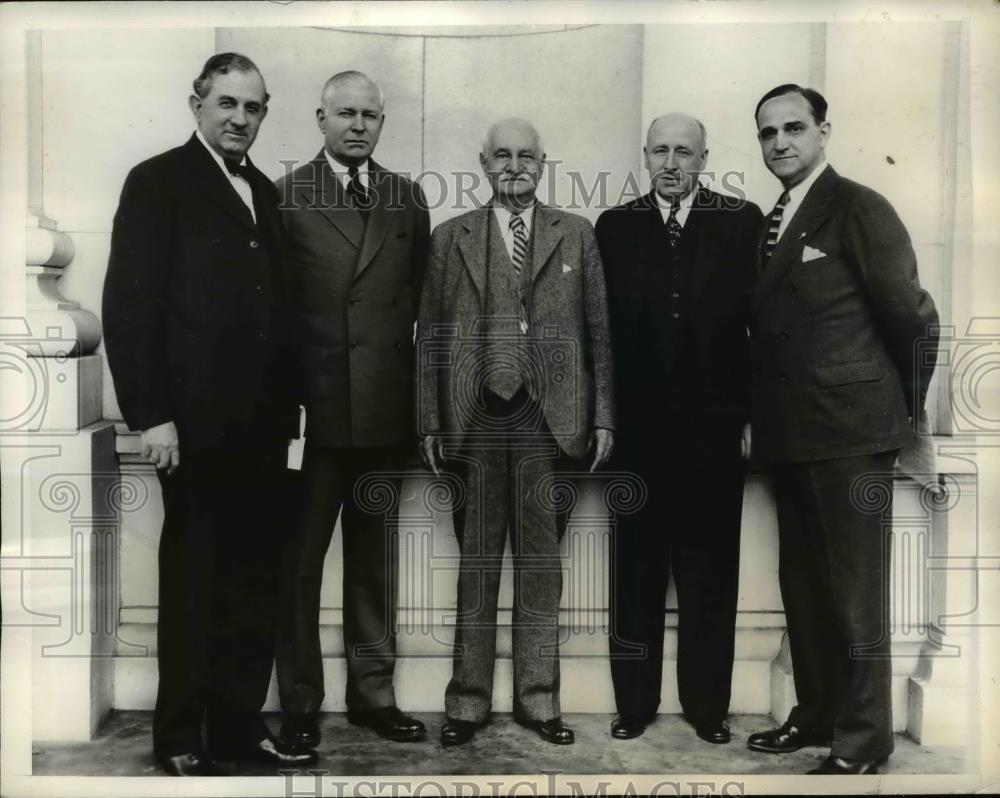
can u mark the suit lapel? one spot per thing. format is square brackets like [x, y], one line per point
[473, 246]
[327, 196]
[379, 217]
[698, 226]
[547, 234]
[810, 215]
[267, 214]
[209, 178]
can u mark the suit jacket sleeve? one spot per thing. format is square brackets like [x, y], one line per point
[595, 299]
[428, 410]
[880, 247]
[750, 225]
[133, 306]
[421, 243]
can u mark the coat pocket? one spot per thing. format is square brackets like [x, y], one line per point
[846, 373]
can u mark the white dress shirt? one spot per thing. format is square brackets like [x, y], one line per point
[503, 222]
[682, 211]
[238, 182]
[796, 194]
[344, 176]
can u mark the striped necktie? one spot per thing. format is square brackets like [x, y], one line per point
[520, 230]
[774, 225]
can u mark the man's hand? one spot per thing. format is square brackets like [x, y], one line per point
[430, 452]
[604, 441]
[160, 447]
[745, 442]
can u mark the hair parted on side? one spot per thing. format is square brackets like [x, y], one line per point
[221, 64]
[817, 102]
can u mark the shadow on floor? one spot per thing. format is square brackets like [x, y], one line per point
[122, 747]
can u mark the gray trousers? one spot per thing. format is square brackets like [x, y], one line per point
[507, 480]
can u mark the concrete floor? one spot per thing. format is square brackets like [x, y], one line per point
[122, 748]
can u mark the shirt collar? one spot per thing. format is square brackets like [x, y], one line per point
[798, 192]
[342, 172]
[685, 203]
[217, 157]
[503, 217]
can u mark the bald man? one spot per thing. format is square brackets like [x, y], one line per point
[515, 384]
[357, 237]
[679, 266]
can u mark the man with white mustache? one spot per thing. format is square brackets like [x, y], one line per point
[520, 388]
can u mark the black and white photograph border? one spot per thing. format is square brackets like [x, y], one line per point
[88, 90]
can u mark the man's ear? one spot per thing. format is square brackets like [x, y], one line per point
[482, 163]
[194, 103]
[825, 128]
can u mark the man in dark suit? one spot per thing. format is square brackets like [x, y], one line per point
[516, 376]
[838, 313]
[679, 264]
[193, 318]
[356, 247]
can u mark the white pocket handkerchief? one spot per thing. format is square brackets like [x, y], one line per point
[809, 254]
[566, 268]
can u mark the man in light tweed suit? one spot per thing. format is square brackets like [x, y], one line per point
[515, 384]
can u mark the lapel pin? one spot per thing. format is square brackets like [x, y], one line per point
[801, 236]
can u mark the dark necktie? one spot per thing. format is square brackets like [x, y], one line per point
[774, 225]
[357, 196]
[674, 229]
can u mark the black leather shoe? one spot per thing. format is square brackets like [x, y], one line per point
[835, 766]
[784, 740]
[268, 751]
[389, 723]
[300, 730]
[552, 730]
[717, 733]
[193, 763]
[458, 732]
[627, 727]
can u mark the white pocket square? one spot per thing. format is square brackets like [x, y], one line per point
[809, 254]
[566, 268]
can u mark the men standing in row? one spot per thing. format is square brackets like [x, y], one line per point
[680, 264]
[194, 326]
[357, 239]
[838, 313]
[516, 377]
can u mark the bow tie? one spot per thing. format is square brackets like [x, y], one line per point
[238, 169]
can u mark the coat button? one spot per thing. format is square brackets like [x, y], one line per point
[783, 336]
[354, 344]
[782, 377]
[677, 315]
[396, 344]
[254, 244]
[675, 295]
[792, 287]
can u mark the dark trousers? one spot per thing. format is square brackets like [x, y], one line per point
[690, 524]
[834, 518]
[222, 533]
[334, 479]
[507, 479]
